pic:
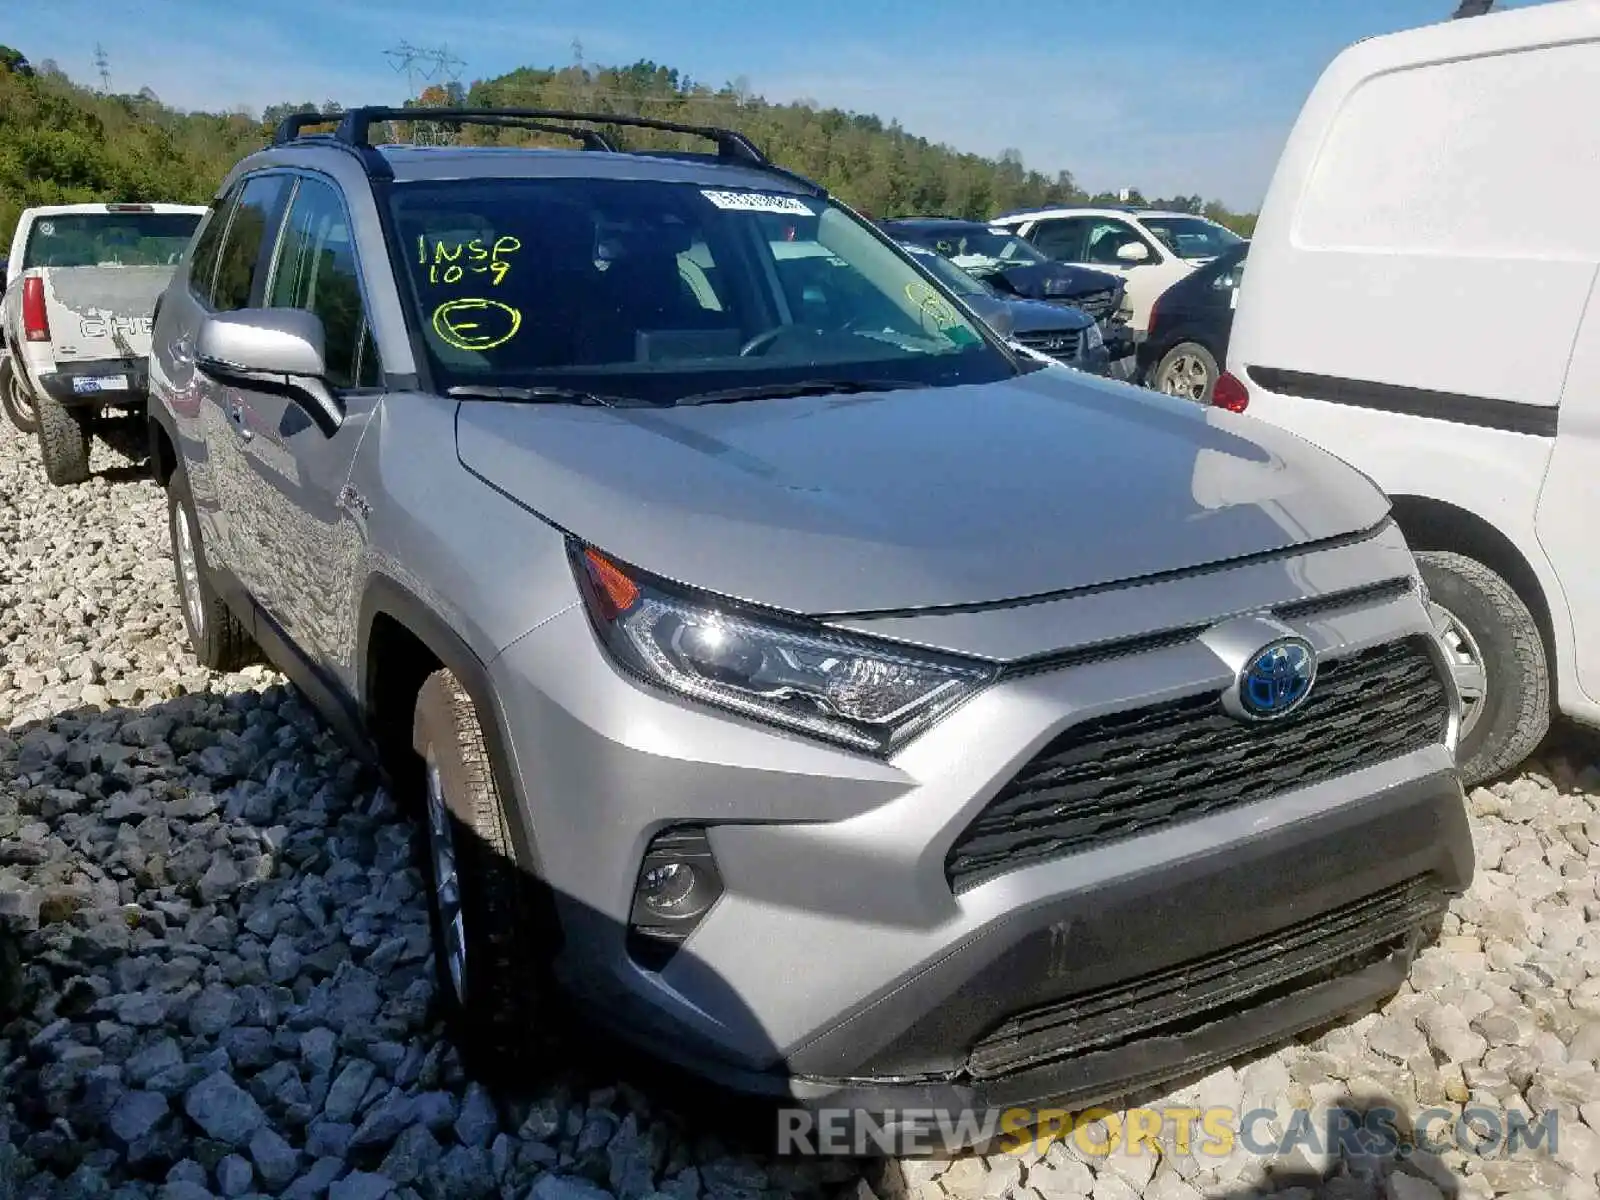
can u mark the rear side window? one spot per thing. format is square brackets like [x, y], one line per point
[317, 271]
[255, 217]
[1062, 240]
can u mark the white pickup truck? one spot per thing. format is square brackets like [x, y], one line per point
[81, 286]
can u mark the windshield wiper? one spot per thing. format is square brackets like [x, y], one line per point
[805, 387]
[555, 395]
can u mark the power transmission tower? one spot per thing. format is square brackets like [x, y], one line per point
[429, 64]
[102, 66]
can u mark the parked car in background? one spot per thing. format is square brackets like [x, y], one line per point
[1007, 262]
[1187, 341]
[1068, 335]
[82, 282]
[1148, 249]
[1399, 203]
[794, 628]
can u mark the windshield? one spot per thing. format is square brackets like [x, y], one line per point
[985, 246]
[658, 291]
[1192, 237]
[122, 239]
[952, 276]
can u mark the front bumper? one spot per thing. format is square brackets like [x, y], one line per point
[840, 968]
[113, 382]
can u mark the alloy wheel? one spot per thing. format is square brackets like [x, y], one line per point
[1185, 377]
[183, 549]
[1466, 664]
[446, 882]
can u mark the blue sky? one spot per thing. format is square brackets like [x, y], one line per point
[1171, 96]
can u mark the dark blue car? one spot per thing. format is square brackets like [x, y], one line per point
[1012, 266]
[1068, 335]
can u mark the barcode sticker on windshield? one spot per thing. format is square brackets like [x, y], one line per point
[757, 202]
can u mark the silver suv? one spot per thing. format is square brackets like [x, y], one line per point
[827, 698]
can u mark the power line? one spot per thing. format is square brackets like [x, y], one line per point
[430, 63]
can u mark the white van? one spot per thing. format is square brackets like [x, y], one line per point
[1422, 301]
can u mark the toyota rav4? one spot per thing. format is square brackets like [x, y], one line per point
[830, 699]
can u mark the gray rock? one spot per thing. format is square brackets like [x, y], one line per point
[234, 1176]
[567, 1187]
[361, 1185]
[478, 1121]
[325, 1138]
[465, 1172]
[383, 1121]
[224, 1110]
[276, 1161]
[316, 1181]
[135, 1115]
[414, 1153]
[215, 1009]
[349, 1086]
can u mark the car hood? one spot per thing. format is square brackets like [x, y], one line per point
[1037, 281]
[919, 498]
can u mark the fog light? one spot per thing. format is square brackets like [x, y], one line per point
[677, 884]
[666, 890]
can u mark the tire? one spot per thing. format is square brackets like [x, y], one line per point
[1480, 617]
[16, 399]
[63, 441]
[217, 637]
[1188, 371]
[490, 965]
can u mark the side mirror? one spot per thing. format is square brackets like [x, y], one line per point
[276, 350]
[1133, 252]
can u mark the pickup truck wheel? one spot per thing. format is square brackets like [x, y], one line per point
[1497, 658]
[63, 441]
[217, 637]
[16, 399]
[489, 975]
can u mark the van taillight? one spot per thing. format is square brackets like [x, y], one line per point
[1230, 394]
[35, 324]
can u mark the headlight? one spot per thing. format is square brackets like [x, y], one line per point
[862, 694]
[1093, 339]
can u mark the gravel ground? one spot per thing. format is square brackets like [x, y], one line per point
[224, 984]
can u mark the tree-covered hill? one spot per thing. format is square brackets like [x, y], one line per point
[60, 142]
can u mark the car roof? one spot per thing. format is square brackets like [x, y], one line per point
[1095, 210]
[932, 223]
[67, 210]
[411, 163]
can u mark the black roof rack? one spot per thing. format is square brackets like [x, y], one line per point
[353, 128]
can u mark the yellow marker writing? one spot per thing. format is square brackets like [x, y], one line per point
[471, 323]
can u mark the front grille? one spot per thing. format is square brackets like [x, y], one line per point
[1216, 987]
[1132, 772]
[1064, 345]
[1098, 305]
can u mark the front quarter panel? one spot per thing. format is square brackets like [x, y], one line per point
[487, 567]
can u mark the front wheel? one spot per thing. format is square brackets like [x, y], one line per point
[1497, 658]
[484, 945]
[1188, 371]
[16, 399]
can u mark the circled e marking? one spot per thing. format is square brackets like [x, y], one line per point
[470, 323]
